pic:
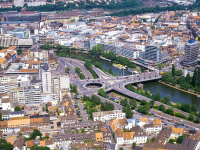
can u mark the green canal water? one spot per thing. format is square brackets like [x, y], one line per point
[176, 95]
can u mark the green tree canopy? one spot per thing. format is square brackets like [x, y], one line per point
[4, 145]
[160, 66]
[134, 145]
[173, 70]
[126, 109]
[124, 102]
[161, 107]
[107, 106]
[102, 92]
[17, 108]
[96, 99]
[180, 139]
[36, 147]
[35, 133]
[133, 104]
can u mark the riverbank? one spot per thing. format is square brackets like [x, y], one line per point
[178, 88]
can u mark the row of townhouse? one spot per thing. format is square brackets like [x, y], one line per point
[136, 134]
[7, 56]
[108, 115]
[47, 143]
[103, 136]
[21, 144]
[154, 126]
[85, 125]
[69, 116]
[14, 124]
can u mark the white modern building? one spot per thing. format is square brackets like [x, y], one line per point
[27, 95]
[18, 3]
[108, 115]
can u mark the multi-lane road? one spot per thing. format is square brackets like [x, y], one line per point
[175, 119]
[80, 64]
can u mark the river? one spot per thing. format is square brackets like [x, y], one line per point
[176, 95]
[154, 86]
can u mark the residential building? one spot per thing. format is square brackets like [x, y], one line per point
[5, 102]
[140, 135]
[164, 135]
[7, 40]
[187, 144]
[46, 78]
[73, 137]
[19, 144]
[46, 39]
[27, 95]
[21, 33]
[7, 87]
[14, 124]
[118, 123]
[154, 127]
[16, 114]
[36, 3]
[32, 95]
[126, 52]
[12, 48]
[38, 55]
[139, 121]
[191, 53]
[13, 55]
[4, 126]
[176, 132]
[59, 83]
[8, 79]
[86, 126]
[18, 95]
[3, 63]
[3, 53]
[18, 3]
[27, 130]
[137, 135]
[108, 115]
[40, 121]
[91, 145]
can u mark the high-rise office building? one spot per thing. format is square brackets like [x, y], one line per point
[191, 53]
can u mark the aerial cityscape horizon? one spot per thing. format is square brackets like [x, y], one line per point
[100, 75]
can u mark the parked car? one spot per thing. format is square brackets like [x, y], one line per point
[58, 124]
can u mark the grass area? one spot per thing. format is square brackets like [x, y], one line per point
[178, 88]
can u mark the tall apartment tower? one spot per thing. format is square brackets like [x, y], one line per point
[45, 76]
[59, 83]
[191, 53]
